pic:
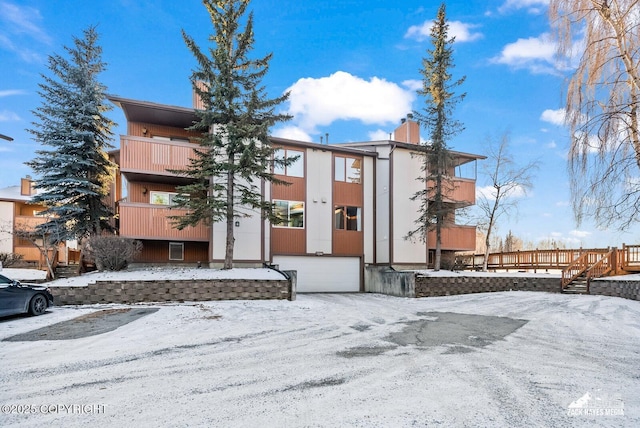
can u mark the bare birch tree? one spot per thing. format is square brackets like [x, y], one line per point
[602, 106]
[507, 181]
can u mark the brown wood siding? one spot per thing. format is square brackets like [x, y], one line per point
[294, 192]
[158, 252]
[137, 194]
[151, 221]
[348, 243]
[348, 194]
[288, 241]
[153, 156]
[458, 238]
[459, 190]
[136, 128]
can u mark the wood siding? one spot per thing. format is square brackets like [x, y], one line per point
[456, 190]
[458, 238]
[158, 252]
[349, 242]
[151, 222]
[288, 241]
[284, 240]
[153, 156]
[136, 129]
[296, 191]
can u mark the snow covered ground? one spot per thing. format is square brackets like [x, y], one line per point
[524, 359]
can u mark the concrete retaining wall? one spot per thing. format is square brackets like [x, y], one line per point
[385, 280]
[618, 288]
[174, 290]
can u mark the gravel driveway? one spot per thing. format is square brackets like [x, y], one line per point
[495, 359]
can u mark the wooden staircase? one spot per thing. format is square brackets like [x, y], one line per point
[577, 276]
[66, 271]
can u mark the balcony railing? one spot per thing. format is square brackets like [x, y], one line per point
[458, 238]
[456, 190]
[143, 221]
[146, 155]
[25, 222]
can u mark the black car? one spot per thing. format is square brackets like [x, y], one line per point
[17, 298]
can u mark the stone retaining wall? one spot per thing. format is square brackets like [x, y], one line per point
[432, 286]
[617, 288]
[174, 290]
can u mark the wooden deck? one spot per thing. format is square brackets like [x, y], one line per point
[575, 265]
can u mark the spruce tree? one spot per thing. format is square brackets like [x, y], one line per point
[437, 118]
[74, 173]
[235, 153]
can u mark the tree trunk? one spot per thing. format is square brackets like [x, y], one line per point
[228, 255]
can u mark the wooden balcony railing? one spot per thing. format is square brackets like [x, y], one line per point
[146, 155]
[24, 222]
[456, 238]
[457, 190]
[144, 221]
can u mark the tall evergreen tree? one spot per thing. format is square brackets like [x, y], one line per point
[236, 155]
[75, 173]
[437, 119]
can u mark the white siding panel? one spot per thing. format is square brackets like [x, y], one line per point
[323, 274]
[319, 205]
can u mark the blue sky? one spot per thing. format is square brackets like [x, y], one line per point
[352, 67]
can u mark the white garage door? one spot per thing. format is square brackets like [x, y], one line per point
[323, 274]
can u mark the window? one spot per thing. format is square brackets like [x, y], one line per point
[348, 218]
[290, 213]
[162, 198]
[176, 251]
[347, 169]
[295, 169]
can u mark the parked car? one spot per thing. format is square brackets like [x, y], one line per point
[17, 298]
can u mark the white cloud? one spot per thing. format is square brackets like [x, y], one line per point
[23, 20]
[532, 6]
[537, 54]
[555, 117]
[8, 116]
[551, 145]
[9, 92]
[489, 192]
[579, 233]
[292, 133]
[378, 135]
[342, 96]
[463, 32]
[412, 84]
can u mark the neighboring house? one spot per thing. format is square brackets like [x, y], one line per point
[348, 205]
[17, 213]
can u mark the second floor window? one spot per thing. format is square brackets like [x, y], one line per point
[348, 218]
[295, 169]
[162, 198]
[290, 213]
[347, 169]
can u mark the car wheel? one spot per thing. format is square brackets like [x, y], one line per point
[38, 305]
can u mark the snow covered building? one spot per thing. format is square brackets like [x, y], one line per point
[348, 205]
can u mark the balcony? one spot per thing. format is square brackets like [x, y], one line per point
[456, 238]
[24, 222]
[460, 191]
[147, 157]
[143, 221]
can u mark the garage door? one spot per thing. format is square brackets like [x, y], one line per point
[323, 274]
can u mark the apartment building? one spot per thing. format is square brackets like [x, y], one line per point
[347, 205]
[18, 213]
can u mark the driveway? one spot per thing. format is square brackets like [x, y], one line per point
[494, 359]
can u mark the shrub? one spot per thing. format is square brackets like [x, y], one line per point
[8, 259]
[112, 252]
